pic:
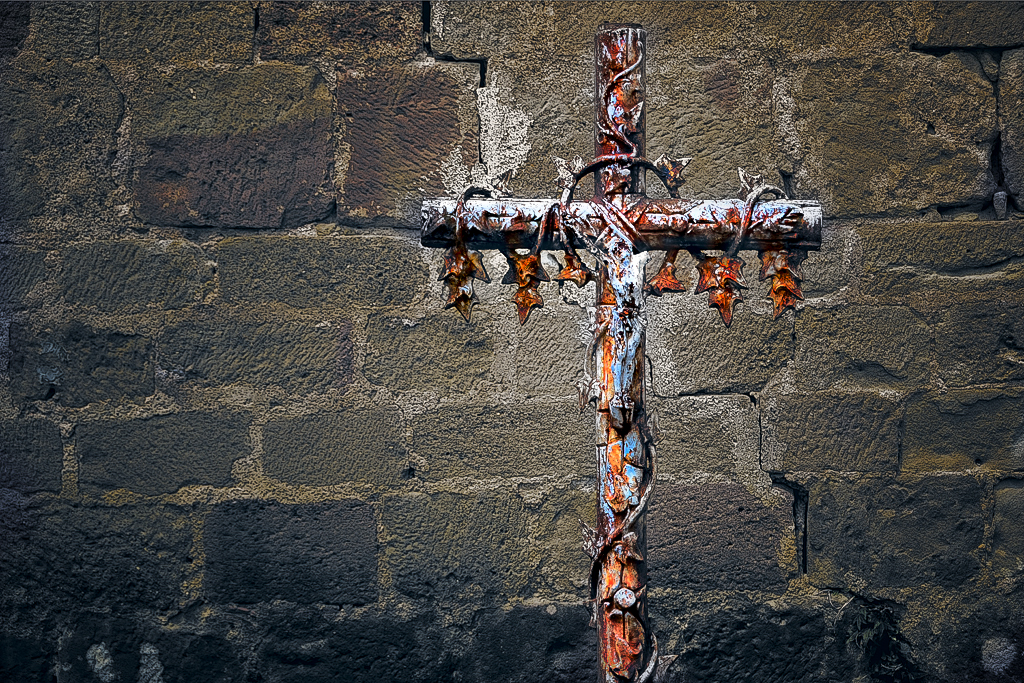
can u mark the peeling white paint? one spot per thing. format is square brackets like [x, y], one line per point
[504, 133]
[454, 175]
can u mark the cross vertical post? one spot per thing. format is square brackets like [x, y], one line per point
[618, 226]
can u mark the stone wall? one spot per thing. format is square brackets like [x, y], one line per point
[242, 441]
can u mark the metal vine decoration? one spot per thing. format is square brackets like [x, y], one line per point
[618, 226]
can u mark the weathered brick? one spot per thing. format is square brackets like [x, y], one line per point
[894, 533]
[65, 30]
[849, 132]
[309, 272]
[246, 148]
[162, 454]
[454, 546]
[861, 345]
[57, 137]
[227, 347]
[72, 558]
[500, 441]
[133, 276]
[14, 26]
[441, 352]
[31, 456]
[965, 428]
[258, 551]
[401, 128]
[712, 358]
[20, 270]
[1011, 121]
[706, 433]
[76, 364]
[968, 24]
[848, 432]
[719, 537]
[177, 32]
[1008, 539]
[348, 33]
[360, 445]
[980, 343]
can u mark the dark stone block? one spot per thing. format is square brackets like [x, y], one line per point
[332, 448]
[249, 148]
[31, 456]
[879, 533]
[14, 21]
[65, 30]
[308, 272]
[970, 24]
[197, 658]
[719, 537]
[26, 659]
[1008, 537]
[162, 454]
[177, 31]
[217, 349]
[980, 343]
[134, 276]
[1011, 121]
[100, 647]
[75, 364]
[20, 270]
[258, 551]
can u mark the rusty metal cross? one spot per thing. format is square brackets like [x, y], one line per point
[617, 226]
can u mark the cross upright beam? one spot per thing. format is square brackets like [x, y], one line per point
[618, 226]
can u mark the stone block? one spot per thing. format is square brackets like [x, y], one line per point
[965, 428]
[550, 350]
[58, 123]
[310, 272]
[706, 434]
[894, 533]
[523, 440]
[199, 658]
[161, 454]
[228, 347]
[101, 646]
[554, 560]
[14, 26]
[182, 32]
[1008, 538]
[75, 364]
[708, 357]
[847, 432]
[440, 353]
[719, 537]
[65, 30]
[348, 34]
[1011, 122]
[405, 131]
[259, 551]
[980, 344]
[324, 449]
[245, 148]
[455, 547]
[861, 346]
[72, 558]
[968, 24]
[25, 659]
[31, 456]
[133, 276]
[863, 153]
[20, 270]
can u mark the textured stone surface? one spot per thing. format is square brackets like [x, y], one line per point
[332, 448]
[57, 137]
[31, 456]
[980, 344]
[894, 533]
[861, 346]
[718, 537]
[133, 276]
[14, 26]
[346, 33]
[309, 272]
[75, 364]
[177, 32]
[965, 428]
[848, 432]
[162, 454]
[441, 352]
[706, 434]
[20, 270]
[68, 30]
[450, 546]
[497, 441]
[1008, 539]
[243, 148]
[24, 659]
[969, 24]
[549, 355]
[225, 347]
[258, 551]
[1011, 121]
[402, 129]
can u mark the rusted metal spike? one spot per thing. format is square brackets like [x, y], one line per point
[526, 299]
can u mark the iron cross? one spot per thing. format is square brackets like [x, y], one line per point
[617, 226]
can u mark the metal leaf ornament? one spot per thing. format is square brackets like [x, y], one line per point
[575, 270]
[526, 272]
[783, 267]
[666, 280]
[722, 277]
[461, 267]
